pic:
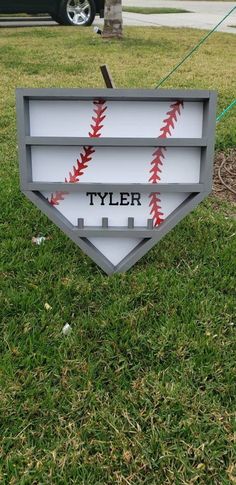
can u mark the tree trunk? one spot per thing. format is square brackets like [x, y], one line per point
[113, 19]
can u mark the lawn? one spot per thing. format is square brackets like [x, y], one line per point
[150, 10]
[143, 390]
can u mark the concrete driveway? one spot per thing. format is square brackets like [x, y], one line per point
[204, 15]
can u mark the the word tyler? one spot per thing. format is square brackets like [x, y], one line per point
[109, 198]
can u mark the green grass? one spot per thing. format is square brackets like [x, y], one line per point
[150, 10]
[143, 391]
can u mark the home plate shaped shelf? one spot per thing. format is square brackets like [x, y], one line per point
[116, 170]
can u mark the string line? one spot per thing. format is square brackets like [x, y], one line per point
[194, 49]
[231, 105]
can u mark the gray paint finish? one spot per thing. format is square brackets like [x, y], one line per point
[115, 142]
[84, 187]
[149, 234]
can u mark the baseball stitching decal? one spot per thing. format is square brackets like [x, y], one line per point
[86, 156]
[157, 162]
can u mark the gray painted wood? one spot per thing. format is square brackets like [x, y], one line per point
[84, 187]
[114, 142]
[115, 94]
[105, 222]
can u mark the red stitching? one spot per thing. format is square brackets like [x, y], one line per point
[86, 155]
[157, 162]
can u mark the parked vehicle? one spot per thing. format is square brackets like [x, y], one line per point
[65, 12]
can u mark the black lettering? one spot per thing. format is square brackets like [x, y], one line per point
[123, 198]
[111, 199]
[91, 196]
[102, 197]
[135, 198]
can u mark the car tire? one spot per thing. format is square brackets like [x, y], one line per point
[77, 12]
[55, 17]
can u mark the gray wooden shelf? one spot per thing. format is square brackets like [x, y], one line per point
[114, 142]
[109, 187]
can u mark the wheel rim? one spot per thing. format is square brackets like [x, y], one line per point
[78, 11]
